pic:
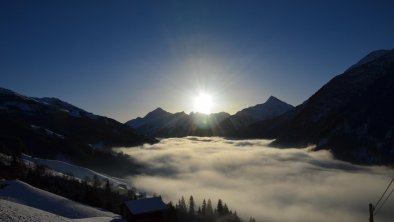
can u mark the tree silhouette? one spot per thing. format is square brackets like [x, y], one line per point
[204, 208]
[191, 206]
[220, 208]
[209, 209]
[107, 187]
[225, 209]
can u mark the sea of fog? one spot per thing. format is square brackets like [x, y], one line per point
[267, 183]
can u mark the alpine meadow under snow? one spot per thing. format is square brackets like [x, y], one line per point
[269, 184]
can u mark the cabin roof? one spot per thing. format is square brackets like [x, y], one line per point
[145, 205]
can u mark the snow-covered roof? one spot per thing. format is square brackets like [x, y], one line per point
[145, 205]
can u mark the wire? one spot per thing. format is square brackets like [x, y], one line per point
[392, 180]
[376, 211]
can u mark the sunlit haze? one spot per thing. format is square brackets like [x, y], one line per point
[203, 103]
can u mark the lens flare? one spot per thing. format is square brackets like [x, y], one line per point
[203, 103]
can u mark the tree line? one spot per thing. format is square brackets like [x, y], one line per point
[206, 212]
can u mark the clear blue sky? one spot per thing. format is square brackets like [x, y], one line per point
[123, 59]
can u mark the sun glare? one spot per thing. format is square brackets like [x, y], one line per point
[203, 103]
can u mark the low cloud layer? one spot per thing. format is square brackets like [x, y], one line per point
[266, 183]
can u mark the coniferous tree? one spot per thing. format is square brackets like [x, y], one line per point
[225, 209]
[204, 208]
[209, 210]
[183, 204]
[191, 206]
[219, 207]
[199, 211]
[107, 187]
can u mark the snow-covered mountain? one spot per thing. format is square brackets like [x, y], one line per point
[352, 115]
[271, 108]
[22, 202]
[51, 128]
[161, 123]
[150, 118]
[65, 119]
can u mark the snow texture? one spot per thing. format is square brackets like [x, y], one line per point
[22, 193]
[48, 132]
[22, 106]
[76, 171]
[11, 211]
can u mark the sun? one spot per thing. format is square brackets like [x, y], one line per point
[203, 103]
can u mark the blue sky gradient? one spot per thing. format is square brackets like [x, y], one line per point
[123, 59]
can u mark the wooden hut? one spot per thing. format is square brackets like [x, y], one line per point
[145, 210]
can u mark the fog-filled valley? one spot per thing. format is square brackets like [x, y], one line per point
[267, 183]
[197, 111]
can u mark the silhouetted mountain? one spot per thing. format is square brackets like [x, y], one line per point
[271, 108]
[352, 114]
[150, 118]
[49, 127]
[160, 123]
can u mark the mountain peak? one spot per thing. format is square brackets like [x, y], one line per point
[159, 109]
[157, 112]
[272, 99]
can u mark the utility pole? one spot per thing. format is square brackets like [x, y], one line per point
[371, 210]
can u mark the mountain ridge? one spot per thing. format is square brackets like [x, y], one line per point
[52, 128]
[161, 123]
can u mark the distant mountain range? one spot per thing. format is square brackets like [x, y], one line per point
[161, 123]
[352, 115]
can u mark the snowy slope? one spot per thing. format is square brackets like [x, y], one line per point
[76, 171]
[67, 107]
[11, 211]
[22, 193]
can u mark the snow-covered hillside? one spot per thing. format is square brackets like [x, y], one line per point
[22, 202]
[78, 172]
[11, 211]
